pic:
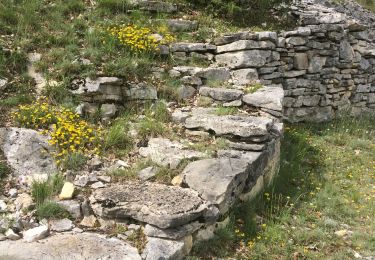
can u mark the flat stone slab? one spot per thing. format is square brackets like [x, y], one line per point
[245, 127]
[79, 246]
[192, 47]
[27, 151]
[221, 94]
[267, 97]
[244, 59]
[220, 180]
[172, 233]
[168, 153]
[165, 249]
[156, 204]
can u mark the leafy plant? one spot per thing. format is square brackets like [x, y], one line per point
[50, 209]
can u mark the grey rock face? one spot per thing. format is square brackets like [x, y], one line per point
[36, 233]
[301, 61]
[140, 92]
[185, 92]
[157, 248]
[147, 173]
[244, 76]
[72, 206]
[214, 74]
[221, 94]
[172, 233]
[101, 89]
[181, 25]
[346, 51]
[61, 225]
[108, 111]
[192, 47]
[78, 246]
[245, 45]
[309, 114]
[243, 59]
[27, 151]
[157, 204]
[220, 180]
[244, 127]
[267, 97]
[167, 153]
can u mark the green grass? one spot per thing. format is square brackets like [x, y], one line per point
[117, 138]
[326, 184]
[222, 111]
[51, 210]
[74, 161]
[43, 190]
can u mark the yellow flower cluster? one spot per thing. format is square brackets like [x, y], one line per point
[139, 39]
[36, 116]
[69, 133]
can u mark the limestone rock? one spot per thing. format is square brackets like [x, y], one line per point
[215, 74]
[192, 47]
[36, 234]
[101, 89]
[63, 246]
[140, 91]
[157, 248]
[89, 221]
[221, 94]
[244, 76]
[147, 173]
[3, 83]
[10, 234]
[220, 180]
[172, 233]
[67, 191]
[23, 202]
[26, 151]
[177, 25]
[245, 45]
[72, 206]
[157, 204]
[243, 59]
[108, 111]
[267, 97]
[185, 92]
[244, 127]
[301, 61]
[167, 153]
[61, 225]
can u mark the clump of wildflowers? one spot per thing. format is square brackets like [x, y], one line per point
[69, 133]
[140, 39]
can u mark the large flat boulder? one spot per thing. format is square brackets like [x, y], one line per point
[220, 180]
[267, 97]
[168, 153]
[63, 246]
[221, 94]
[156, 204]
[27, 151]
[239, 126]
[244, 59]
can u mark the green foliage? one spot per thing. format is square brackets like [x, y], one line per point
[43, 190]
[251, 88]
[222, 111]
[114, 6]
[243, 13]
[117, 137]
[50, 209]
[73, 161]
[204, 101]
[150, 127]
[4, 169]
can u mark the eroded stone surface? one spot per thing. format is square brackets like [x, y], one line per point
[158, 248]
[78, 246]
[267, 97]
[245, 127]
[167, 153]
[157, 204]
[220, 180]
[221, 94]
[26, 151]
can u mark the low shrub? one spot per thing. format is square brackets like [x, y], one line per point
[50, 209]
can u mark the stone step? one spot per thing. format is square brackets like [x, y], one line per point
[69, 246]
[157, 204]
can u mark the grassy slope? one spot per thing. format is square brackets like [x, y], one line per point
[326, 184]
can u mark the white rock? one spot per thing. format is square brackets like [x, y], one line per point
[11, 235]
[36, 234]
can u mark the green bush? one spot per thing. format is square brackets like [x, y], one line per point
[50, 209]
[43, 190]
